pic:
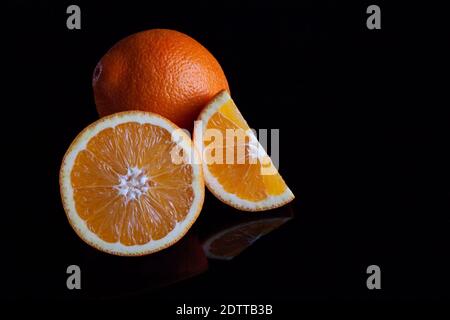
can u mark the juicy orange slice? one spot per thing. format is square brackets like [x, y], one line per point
[236, 168]
[131, 183]
[229, 243]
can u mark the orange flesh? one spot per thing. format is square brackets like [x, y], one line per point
[95, 177]
[242, 178]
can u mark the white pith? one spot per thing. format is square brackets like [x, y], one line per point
[212, 182]
[132, 184]
[67, 191]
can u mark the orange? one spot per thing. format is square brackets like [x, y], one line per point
[246, 180]
[130, 184]
[229, 243]
[159, 70]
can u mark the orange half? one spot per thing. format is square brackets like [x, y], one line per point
[131, 183]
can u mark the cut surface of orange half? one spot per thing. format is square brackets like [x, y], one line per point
[131, 183]
[236, 167]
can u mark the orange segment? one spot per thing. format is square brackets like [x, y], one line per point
[229, 111]
[236, 167]
[121, 189]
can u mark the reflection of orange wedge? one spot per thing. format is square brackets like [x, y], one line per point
[246, 180]
[229, 243]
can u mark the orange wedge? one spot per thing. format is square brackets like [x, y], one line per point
[131, 184]
[236, 168]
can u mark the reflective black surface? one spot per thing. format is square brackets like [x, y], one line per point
[107, 276]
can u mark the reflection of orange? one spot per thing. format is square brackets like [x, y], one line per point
[162, 71]
[121, 190]
[182, 261]
[230, 242]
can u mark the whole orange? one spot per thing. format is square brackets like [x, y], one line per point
[159, 70]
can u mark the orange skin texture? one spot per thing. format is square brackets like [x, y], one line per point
[161, 71]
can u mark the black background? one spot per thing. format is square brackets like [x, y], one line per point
[363, 131]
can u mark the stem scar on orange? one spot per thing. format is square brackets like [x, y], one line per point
[161, 71]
